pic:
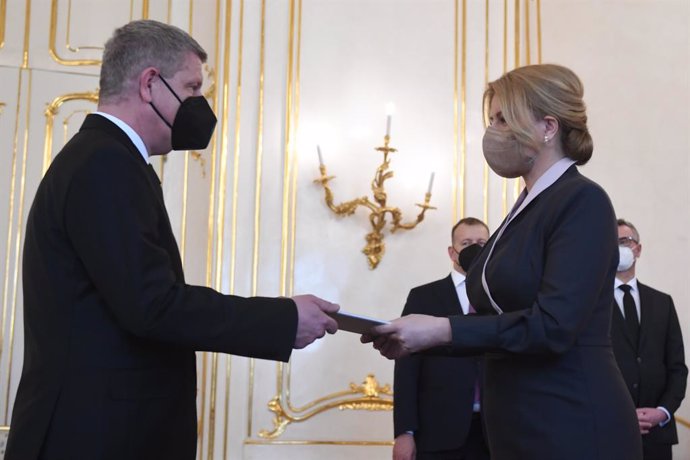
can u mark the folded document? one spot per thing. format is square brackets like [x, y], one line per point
[355, 323]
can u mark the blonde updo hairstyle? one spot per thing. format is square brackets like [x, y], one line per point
[532, 92]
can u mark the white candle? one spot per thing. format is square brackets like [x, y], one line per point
[431, 183]
[318, 150]
[390, 110]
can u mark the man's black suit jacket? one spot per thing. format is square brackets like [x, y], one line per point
[110, 325]
[434, 395]
[655, 371]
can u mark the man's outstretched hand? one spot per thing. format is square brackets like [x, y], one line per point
[312, 319]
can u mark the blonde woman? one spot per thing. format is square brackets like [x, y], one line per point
[542, 286]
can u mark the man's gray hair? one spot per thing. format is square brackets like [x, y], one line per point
[629, 224]
[141, 44]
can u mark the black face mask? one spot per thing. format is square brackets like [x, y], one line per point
[467, 256]
[194, 122]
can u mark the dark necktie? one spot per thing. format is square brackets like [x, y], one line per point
[630, 311]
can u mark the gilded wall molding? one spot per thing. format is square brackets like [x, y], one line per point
[52, 41]
[52, 37]
[370, 396]
[52, 109]
[3, 22]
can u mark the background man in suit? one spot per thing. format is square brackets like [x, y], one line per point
[111, 327]
[648, 345]
[436, 412]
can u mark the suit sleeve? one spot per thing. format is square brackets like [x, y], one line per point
[113, 220]
[676, 370]
[578, 262]
[406, 379]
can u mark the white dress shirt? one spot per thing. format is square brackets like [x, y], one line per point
[634, 291]
[461, 289]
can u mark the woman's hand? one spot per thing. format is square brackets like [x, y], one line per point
[409, 334]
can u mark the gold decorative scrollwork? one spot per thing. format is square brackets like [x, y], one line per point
[367, 396]
[378, 208]
[52, 109]
[198, 156]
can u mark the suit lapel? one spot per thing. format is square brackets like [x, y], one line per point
[156, 184]
[99, 123]
[449, 297]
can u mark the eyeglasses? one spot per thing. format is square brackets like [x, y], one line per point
[627, 241]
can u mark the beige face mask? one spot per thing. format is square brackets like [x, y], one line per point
[504, 154]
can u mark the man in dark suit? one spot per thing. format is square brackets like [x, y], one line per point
[437, 409]
[648, 345]
[111, 327]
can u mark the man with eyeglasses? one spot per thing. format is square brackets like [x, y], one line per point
[648, 345]
[437, 398]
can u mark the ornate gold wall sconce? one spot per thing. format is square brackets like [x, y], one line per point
[379, 207]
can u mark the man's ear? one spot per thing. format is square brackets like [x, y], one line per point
[146, 79]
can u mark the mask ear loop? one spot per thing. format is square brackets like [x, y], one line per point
[159, 115]
[174, 94]
[171, 90]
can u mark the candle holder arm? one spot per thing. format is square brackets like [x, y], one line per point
[345, 208]
[397, 223]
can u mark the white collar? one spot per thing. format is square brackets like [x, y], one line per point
[457, 277]
[133, 136]
[632, 283]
